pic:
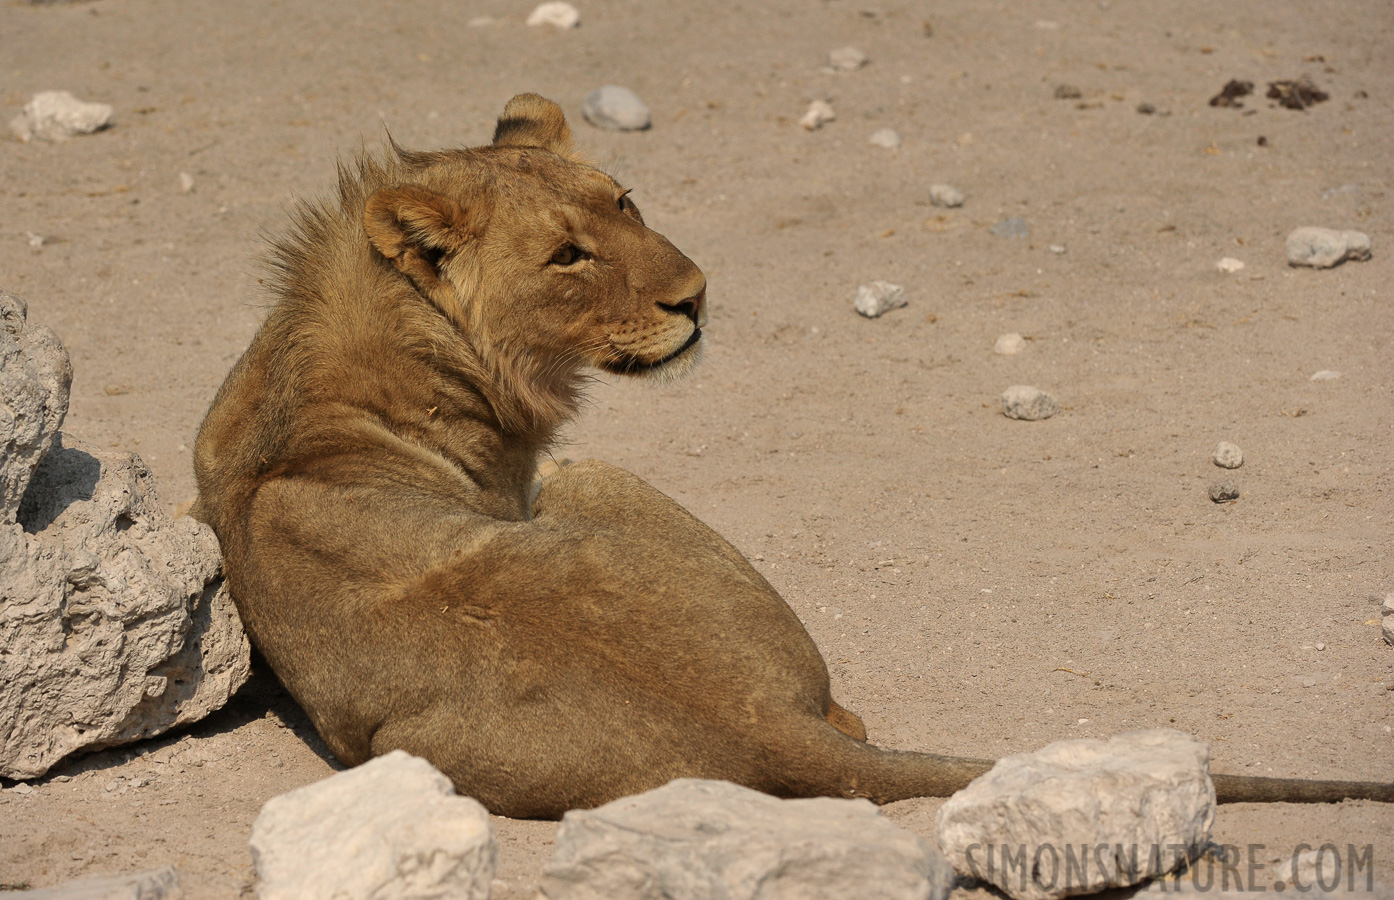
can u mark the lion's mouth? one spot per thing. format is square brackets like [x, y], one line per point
[633, 364]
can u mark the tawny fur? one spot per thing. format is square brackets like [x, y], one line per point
[368, 468]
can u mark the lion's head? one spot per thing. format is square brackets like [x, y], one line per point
[542, 261]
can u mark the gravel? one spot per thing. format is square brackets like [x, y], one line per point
[879, 297]
[945, 195]
[1228, 456]
[616, 108]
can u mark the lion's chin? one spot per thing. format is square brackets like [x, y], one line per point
[668, 368]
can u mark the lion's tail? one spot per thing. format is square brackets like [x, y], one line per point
[832, 764]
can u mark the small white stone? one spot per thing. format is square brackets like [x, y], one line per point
[819, 112]
[1322, 248]
[186, 182]
[36, 240]
[58, 115]
[390, 829]
[884, 137]
[1325, 375]
[558, 15]
[1229, 265]
[615, 108]
[1320, 646]
[1028, 403]
[879, 297]
[847, 59]
[1057, 248]
[1009, 344]
[1227, 455]
[945, 195]
[481, 22]
[1141, 788]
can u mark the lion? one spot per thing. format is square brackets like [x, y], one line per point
[368, 466]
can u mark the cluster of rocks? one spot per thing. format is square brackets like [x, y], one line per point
[114, 622]
[394, 828]
[1226, 455]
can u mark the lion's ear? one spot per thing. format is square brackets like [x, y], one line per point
[532, 121]
[414, 227]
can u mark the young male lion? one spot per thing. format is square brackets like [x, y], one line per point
[368, 467]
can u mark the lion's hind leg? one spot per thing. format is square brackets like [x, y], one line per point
[847, 723]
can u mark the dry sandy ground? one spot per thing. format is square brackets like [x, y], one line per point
[979, 585]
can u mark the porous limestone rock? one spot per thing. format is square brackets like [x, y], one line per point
[34, 381]
[391, 829]
[695, 838]
[58, 115]
[159, 884]
[114, 622]
[1322, 248]
[1080, 816]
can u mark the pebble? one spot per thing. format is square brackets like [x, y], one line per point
[1229, 265]
[1224, 492]
[1028, 404]
[1228, 456]
[558, 15]
[1015, 227]
[819, 112]
[885, 137]
[945, 195]
[1147, 109]
[1322, 248]
[22, 788]
[1009, 344]
[1067, 92]
[186, 182]
[58, 115]
[36, 240]
[847, 59]
[1325, 375]
[1387, 626]
[1057, 249]
[879, 297]
[616, 109]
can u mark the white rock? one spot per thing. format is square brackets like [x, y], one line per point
[35, 376]
[1322, 248]
[1325, 375]
[819, 112]
[879, 297]
[391, 829]
[847, 59]
[186, 182]
[615, 109]
[945, 195]
[1140, 789]
[114, 623]
[1057, 248]
[1227, 455]
[1229, 265]
[1024, 402]
[558, 15]
[159, 884]
[58, 115]
[884, 137]
[1009, 344]
[713, 839]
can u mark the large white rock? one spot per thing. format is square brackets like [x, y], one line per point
[1322, 248]
[114, 622]
[695, 838]
[34, 381]
[58, 115]
[159, 884]
[1080, 816]
[391, 829]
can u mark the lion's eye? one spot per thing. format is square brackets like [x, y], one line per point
[567, 254]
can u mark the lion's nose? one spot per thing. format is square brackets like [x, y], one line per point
[694, 307]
